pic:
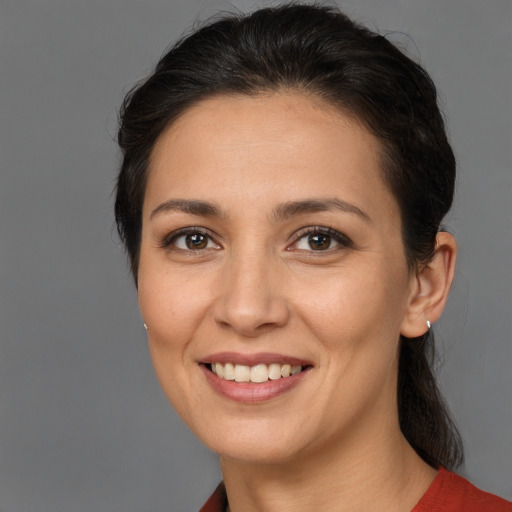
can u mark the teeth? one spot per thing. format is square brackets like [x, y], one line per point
[242, 373]
[295, 369]
[229, 371]
[274, 371]
[257, 374]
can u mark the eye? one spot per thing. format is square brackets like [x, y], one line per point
[319, 239]
[190, 239]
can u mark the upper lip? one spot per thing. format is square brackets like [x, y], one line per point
[254, 359]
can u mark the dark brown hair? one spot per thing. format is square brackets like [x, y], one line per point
[317, 50]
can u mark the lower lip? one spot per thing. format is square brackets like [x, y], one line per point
[251, 392]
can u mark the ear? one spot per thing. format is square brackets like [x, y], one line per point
[430, 289]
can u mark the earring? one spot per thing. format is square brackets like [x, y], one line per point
[429, 325]
[145, 326]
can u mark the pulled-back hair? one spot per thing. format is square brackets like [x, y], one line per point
[319, 51]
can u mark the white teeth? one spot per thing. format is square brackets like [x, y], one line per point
[274, 371]
[229, 371]
[257, 374]
[242, 373]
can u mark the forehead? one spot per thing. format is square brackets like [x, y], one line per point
[284, 146]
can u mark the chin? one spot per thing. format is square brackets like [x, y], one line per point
[255, 442]
[258, 453]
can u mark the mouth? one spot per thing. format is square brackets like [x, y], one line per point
[256, 374]
[256, 378]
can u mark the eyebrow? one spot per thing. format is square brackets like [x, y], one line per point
[290, 209]
[195, 207]
[280, 213]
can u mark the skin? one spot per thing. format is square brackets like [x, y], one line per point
[258, 286]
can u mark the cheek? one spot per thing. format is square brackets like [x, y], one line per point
[356, 320]
[356, 295]
[172, 314]
[170, 306]
[355, 310]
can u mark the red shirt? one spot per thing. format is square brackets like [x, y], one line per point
[447, 493]
[450, 492]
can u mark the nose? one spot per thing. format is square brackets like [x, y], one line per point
[251, 299]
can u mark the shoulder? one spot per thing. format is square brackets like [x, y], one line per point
[450, 492]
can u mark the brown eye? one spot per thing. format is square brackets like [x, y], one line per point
[191, 240]
[196, 241]
[319, 241]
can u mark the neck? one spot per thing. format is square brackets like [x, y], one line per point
[353, 474]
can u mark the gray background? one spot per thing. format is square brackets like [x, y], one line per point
[83, 423]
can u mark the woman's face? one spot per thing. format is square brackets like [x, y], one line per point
[270, 245]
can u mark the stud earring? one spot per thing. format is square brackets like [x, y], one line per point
[429, 325]
[145, 326]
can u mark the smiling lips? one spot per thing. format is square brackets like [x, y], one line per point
[256, 378]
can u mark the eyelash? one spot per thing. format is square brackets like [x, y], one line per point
[170, 240]
[339, 238]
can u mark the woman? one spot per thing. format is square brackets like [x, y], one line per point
[284, 179]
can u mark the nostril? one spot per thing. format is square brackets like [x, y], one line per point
[249, 327]
[223, 324]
